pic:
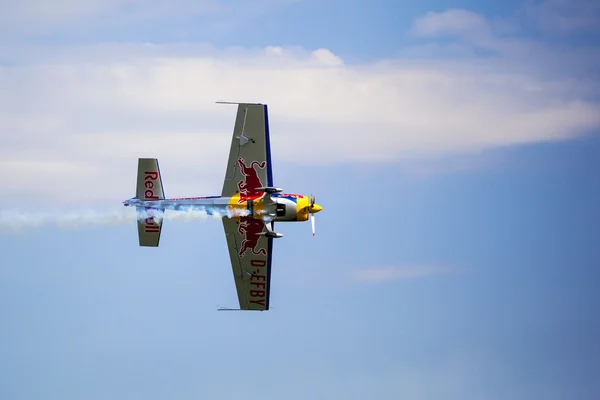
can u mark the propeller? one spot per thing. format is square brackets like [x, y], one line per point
[312, 216]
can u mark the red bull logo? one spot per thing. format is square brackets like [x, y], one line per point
[251, 182]
[250, 228]
[151, 226]
[150, 177]
[150, 223]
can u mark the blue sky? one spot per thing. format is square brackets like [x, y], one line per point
[453, 145]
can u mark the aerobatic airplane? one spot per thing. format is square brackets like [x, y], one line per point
[249, 204]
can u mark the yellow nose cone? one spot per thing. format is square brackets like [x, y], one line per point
[315, 208]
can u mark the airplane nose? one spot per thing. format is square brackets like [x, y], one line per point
[315, 209]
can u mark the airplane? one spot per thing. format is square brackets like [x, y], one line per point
[249, 205]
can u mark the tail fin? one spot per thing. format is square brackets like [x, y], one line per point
[149, 188]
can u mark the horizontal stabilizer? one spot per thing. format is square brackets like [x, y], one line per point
[238, 103]
[149, 221]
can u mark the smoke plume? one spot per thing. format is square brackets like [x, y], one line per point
[15, 221]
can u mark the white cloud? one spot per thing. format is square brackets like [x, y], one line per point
[466, 34]
[450, 22]
[326, 57]
[90, 112]
[74, 116]
[551, 16]
[384, 274]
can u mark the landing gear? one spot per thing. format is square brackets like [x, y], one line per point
[270, 233]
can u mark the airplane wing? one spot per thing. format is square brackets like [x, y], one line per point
[249, 163]
[250, 256]
[249, 168]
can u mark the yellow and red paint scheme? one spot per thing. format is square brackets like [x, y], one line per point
[286, 207]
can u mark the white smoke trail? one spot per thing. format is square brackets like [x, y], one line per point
[15, 221]
[18, 221]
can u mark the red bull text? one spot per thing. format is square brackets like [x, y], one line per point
[149, 178]
[150, 224]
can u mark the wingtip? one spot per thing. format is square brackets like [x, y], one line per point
[238, 103]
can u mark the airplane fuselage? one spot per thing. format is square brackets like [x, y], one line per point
[277, 207]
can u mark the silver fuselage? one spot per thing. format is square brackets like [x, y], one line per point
[272, 207]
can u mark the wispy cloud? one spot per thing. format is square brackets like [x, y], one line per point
[508, 39]
[450, 22]
[94, 114]
[75, 116]
[383, 274]
[550, 16]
